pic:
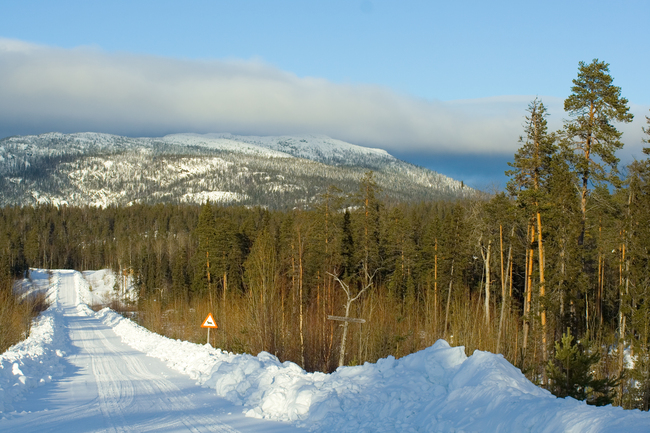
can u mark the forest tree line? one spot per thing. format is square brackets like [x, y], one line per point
[553, 273]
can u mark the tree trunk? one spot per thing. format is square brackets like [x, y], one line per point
[486, 260]
[528, 289]
[621, 311]
[300, 284]
[451, 282]
[585, 178]
[504, 300]
[625, 290]
[435, 288]
[601, 275]
[542, 289]
[345, 335]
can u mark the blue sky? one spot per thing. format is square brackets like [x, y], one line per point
[441, 84]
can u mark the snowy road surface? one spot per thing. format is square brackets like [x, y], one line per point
[106, 385]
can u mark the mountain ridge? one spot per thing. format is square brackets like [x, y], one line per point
[100, 169]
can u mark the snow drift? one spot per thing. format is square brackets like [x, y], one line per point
[36, 360]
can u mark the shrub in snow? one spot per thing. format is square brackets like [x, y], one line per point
[571, 374]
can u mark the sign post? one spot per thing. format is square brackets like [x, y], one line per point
[346, 319]
[209, 323]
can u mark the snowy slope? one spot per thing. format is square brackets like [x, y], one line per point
[439, 389]
[309, 146]
[226, 143]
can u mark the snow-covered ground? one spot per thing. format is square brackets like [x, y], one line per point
[439, 389]
[102, 287]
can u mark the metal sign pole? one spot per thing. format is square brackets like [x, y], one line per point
[209, 323]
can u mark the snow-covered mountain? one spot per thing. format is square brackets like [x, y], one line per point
[277, 172]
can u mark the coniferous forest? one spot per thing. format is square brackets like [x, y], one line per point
[553, 273]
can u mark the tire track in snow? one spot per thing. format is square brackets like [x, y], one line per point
[174, 399]
[115, 393]
[117, 370]
[169, 397]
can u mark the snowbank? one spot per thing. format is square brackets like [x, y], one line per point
[36, 360]
[438, 389]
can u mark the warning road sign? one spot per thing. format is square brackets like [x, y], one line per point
[209, 322]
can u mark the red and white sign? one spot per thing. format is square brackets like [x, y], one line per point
[209, 322]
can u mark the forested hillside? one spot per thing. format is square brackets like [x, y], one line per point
[275, 172]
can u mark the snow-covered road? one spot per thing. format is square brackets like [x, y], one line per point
[105, 385]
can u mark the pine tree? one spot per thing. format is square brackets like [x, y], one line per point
[594, 103]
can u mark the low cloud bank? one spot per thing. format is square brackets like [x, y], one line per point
[45, 89]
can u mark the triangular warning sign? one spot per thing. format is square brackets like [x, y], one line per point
[209, 322]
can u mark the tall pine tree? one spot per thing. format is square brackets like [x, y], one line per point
[593, 105]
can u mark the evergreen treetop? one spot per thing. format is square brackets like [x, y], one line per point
[593, 105]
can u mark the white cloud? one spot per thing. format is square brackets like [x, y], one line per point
[85, 89]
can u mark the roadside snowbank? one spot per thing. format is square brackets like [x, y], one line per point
[36, 360]
[438, 389]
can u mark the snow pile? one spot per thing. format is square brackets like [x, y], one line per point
[100, 283]
[438, 389]
[36, 360]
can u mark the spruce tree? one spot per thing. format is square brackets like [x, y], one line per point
[207, 252]
[348, 265]
[571, 374]
[635, 302]
[530, 175]
[563, 226]
[370, 255]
